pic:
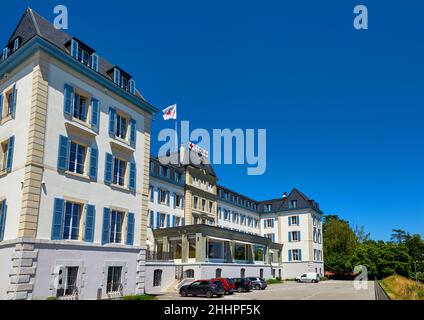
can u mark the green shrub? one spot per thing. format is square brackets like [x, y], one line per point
[139, 297]
[52, 299]
[274, 281]
[323, 279]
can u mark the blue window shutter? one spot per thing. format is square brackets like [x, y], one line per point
[298, 235]
[62, 161]
[133, 176]
[74, 48]
[168, 220]
[68, 99]
[174, 221]
[108, 168]
[289, 221]
[117, 76]
[183, 222]
[1, 106]
[112, 121]
[290, 236]
[264, 224]
[106, 225]
[300, 255]
[298, 220]
[273, 237]
[290, 255]
[168, 197]
[152, 219]
[94, 160]
[175, 200]
[10, 149]
[3, 219]
[130, 229]
[158, 220]
[95, 62]
[14, 98]
[90, 223]
[133, 128]
[132, 86]
[95, 112]
[59, 205]
[182, 202]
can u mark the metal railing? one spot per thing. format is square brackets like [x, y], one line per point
[380, 294]
[159, 256]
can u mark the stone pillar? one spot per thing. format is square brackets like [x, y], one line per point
[267, 256]
[141, 269]
[188, 208]
[250, 253]
[201, 243]
[184, 248]
[22, 274]
[165, 244]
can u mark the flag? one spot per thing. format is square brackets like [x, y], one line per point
[170, 113]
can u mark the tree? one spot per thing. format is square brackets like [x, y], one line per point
[398, 235]
[382, 259]
[361, 235]
[340, 242]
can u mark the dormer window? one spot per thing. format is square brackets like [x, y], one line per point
[293, 204]
[123, 79]
[84, 54]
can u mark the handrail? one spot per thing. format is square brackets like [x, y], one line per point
[380, 293]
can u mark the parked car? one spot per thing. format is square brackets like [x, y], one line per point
[308, 277]
[242, 284]
[258, 283]
[203, 288]
[228, 284]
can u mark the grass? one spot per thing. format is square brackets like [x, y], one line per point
[400, 288]
[139, 297]
[274, 281]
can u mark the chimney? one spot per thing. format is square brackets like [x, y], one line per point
[284, 195]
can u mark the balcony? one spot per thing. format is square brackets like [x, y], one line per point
[159, 256]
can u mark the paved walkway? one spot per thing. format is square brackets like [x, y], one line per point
[325, 290]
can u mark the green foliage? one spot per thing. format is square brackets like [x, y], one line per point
[340, 242]
[382, 259]
[274, 281]
[139, 297]
[323, 279]
[52, 299]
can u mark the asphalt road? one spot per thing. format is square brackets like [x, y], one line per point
[325, 290]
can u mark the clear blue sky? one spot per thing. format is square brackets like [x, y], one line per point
[344, 109]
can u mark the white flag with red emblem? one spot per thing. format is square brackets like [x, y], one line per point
[170, 113]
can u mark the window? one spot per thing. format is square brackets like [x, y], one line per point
[296, 255]
[119, 172]
[218, 273]
[83, 57]
[80, 107]
[152, 167]
[72, 221]
[294, 221]
[261, 273]
[203, 205]
[67, 282]
[268, 208]
[178, 177]
[6, 152]
[269, 223]
[121, 127]
[294, 236]
[259, 253]
[189, 274]
[151, 194]
[210, 206]
[293, 204]
[243, 273]
[9, 103]
[162, 220]
[178, 201]
[157, 278]
[116, 223]
[240, 252]
[163, 196]
[196, 202]
[178, 221]
[77, 158]
[114, 276]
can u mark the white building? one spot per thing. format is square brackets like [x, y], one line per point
[75, 138]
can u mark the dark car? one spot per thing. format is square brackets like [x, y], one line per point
[242, 284]
[258, 283]
[228, 284]
[203, 288]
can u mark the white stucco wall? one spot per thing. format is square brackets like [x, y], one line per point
[10, 184]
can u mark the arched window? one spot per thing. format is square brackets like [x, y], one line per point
[157, 278]
[218, 273]
[279, 273]
[189, 274]
[242, 273]
[261, 273]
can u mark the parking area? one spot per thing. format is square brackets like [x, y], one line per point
[326, 290]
